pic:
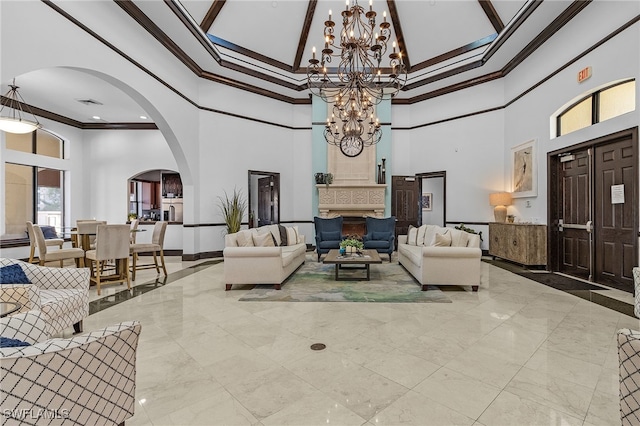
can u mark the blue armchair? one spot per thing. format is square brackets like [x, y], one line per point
[328, 234]
[380, 235]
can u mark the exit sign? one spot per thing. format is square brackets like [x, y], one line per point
[584, 74]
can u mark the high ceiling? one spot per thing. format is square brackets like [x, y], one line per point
[263, 46]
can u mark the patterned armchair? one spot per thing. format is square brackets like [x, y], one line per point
[629, 360]
[380, 235]
[62, 294]
[88, 379]
[328, 234]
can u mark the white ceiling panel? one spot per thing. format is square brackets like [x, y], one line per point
[433, 28]
[197, 8]
[271, 28]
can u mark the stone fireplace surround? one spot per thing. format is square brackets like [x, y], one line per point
[351, 200]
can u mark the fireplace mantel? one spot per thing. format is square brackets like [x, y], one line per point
[357, 200]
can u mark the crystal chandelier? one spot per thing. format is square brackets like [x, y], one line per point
[353, 120]
[14, 122]
[360, 50]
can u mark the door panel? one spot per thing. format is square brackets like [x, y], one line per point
[615, 224]
[404, 202]
[575, 210]
[264, 201]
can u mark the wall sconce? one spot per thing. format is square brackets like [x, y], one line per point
[500, 200]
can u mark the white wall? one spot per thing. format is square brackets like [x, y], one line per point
[529, 117]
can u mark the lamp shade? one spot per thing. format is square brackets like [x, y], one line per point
[500, 199]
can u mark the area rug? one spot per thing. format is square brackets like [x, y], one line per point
[314, 282]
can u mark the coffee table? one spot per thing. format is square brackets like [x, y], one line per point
[366, 258]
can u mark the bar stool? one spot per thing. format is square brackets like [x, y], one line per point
[60, 255]
[112, 243]
[156, 246]
[32, 241]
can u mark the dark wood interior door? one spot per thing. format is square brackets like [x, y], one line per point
[265, 206]
[575, 205]
[404, 202]
[616, 216]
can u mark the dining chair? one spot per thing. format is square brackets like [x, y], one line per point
[155, 247]
[60, 255]
[86, 230]
[112, 243]
[134, 230]
[32, 241]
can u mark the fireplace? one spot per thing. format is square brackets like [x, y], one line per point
[351, 201]
[354, 226]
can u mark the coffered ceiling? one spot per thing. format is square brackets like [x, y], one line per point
[263, 46]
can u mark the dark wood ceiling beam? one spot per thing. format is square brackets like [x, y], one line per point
[43, 113]
[194, 30]
[249, 53]
[568, 14]
[449, 89]
[143, 20]
[304, 34]
[250, 88]
[445, 74]
[395, 20]
[508, 32]
[455, 52]
[492, 14]
[212, 14]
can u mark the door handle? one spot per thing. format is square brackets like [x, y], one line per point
[589, 226]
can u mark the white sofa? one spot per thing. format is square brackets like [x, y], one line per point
[62, 294]
[244, 263]
[457, 264]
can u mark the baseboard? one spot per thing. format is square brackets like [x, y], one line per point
[202, 255]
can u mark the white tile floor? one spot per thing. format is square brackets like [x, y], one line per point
[514, 353]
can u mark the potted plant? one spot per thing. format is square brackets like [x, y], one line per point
[352, 245]
[232, 209]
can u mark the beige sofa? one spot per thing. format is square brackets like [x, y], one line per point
[244, 263]
[456, 264]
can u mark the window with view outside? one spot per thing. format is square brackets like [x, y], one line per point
[32, 193]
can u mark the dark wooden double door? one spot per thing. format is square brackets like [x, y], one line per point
[594, 210]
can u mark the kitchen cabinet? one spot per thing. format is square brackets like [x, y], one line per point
[519, 242]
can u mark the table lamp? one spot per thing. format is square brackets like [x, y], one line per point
[500, 200]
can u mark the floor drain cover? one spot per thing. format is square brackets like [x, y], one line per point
[318, 346]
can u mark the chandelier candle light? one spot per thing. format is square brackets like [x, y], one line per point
[360, 81]
[14, 122]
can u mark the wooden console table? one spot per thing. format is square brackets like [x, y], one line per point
[522, 243]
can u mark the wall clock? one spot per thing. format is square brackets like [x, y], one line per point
[351, 147]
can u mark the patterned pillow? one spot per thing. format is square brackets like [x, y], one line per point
[283, 235]
[420, 237]
[6, 342]
[13, 274]
[264, 240]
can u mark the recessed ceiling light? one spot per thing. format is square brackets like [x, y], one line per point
[95, 117]
[144, 117]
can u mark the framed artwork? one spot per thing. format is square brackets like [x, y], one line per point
[524, 174]
[427, 202]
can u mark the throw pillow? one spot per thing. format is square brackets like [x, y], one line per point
[459, 238]
[330, 235]
[381, 235]
[244, 239]
[263, 240]
[293, 236]
[420, 238]
[283, 235]
[13, 274]
[412, 236]
[443, 240]
[6, 342]
[49, 232]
